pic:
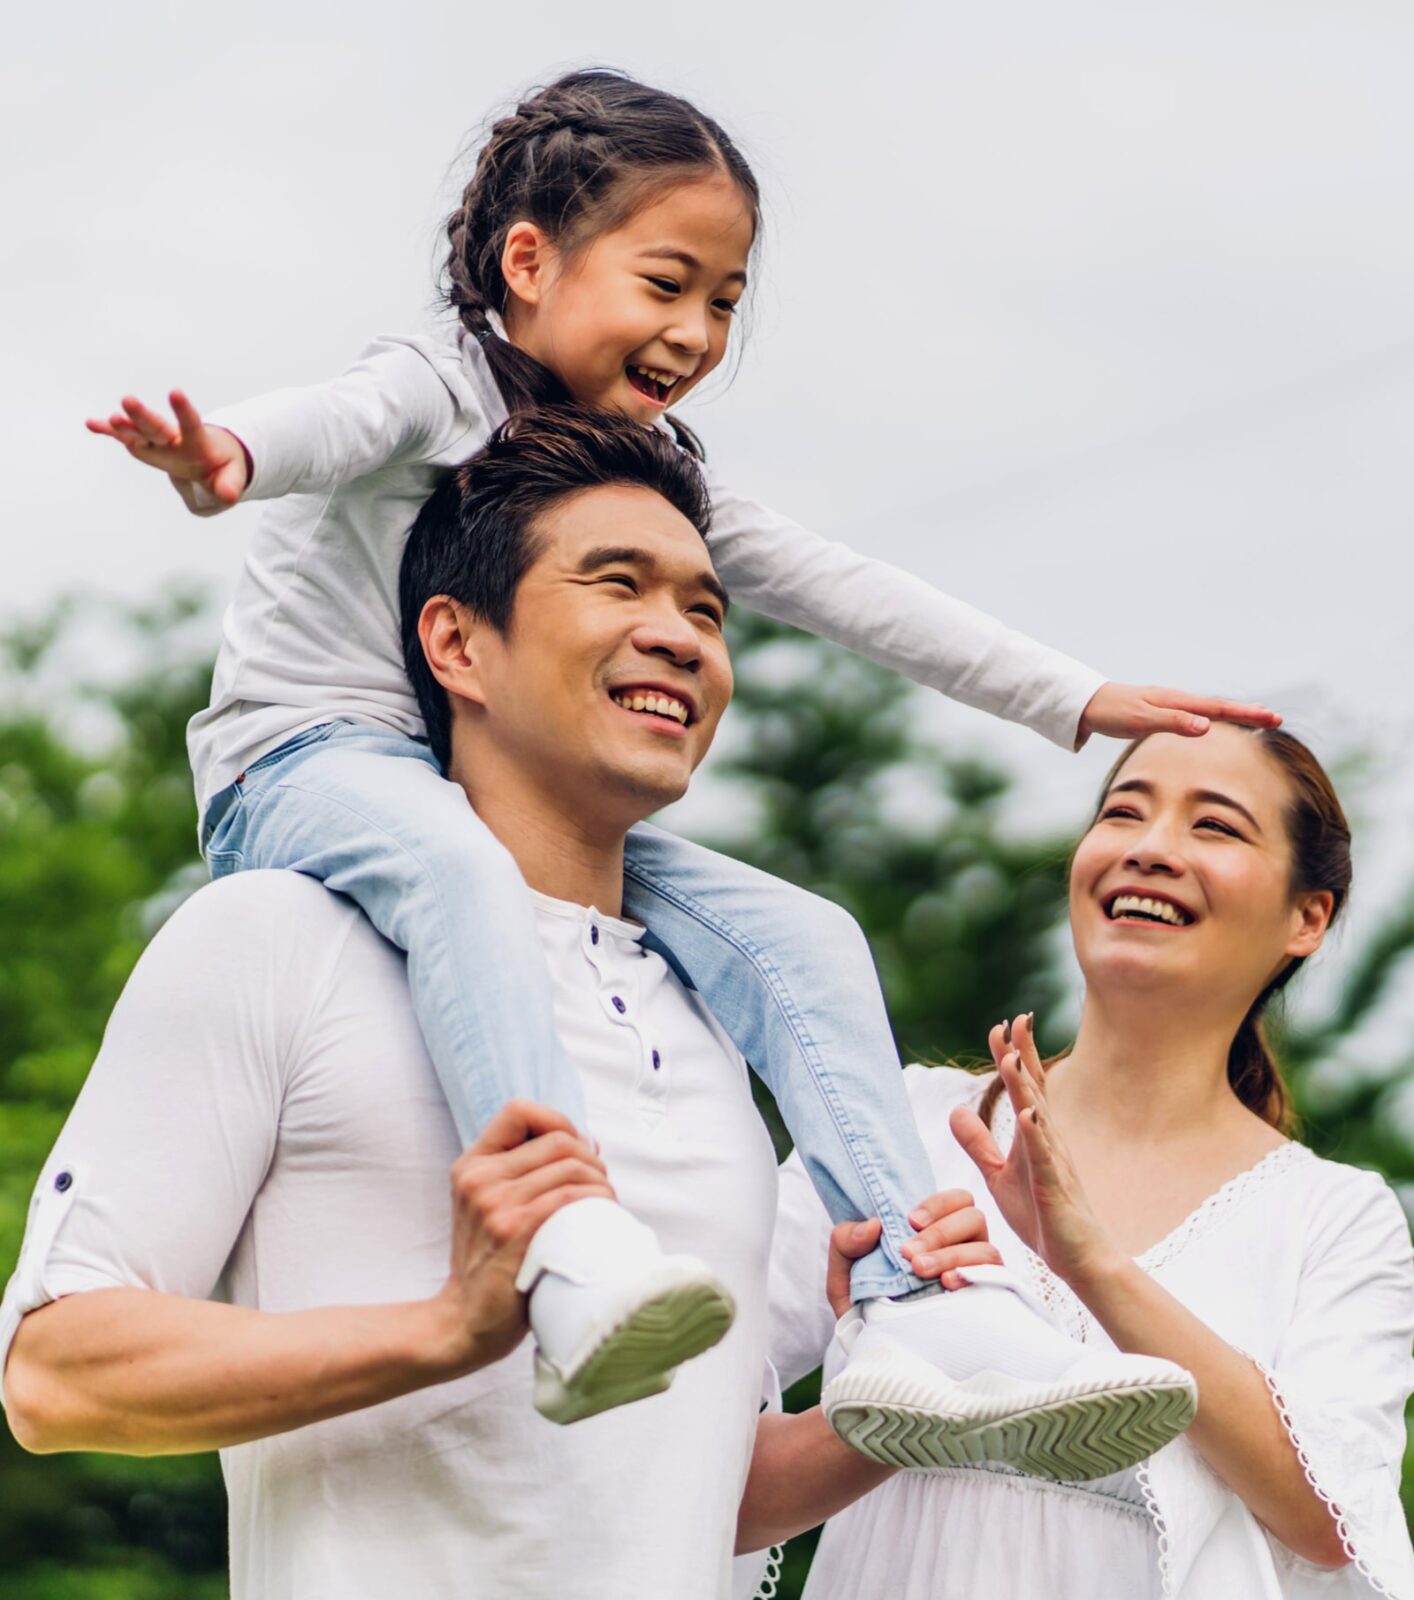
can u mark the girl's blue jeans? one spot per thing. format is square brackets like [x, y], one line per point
[787, 974]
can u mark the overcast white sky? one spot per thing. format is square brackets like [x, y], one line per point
[1098, 315]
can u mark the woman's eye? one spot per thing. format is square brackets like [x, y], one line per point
[666, 285]
[1118, 811]
[1221, 827]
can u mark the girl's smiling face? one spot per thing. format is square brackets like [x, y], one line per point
[640, 315]
[1184, 878]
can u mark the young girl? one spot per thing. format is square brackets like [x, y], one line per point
[599, 253]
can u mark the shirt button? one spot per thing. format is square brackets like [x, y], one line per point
[657, 1061]
[64, 1182]
[619, 1006]
[593, 933]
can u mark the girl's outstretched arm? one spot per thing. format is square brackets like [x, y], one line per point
[776, 567]
[208, 467]
[402, 401]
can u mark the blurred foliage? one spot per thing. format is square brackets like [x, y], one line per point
[97, 845]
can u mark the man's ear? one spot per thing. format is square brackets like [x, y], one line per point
[527, 260]
[450, 638]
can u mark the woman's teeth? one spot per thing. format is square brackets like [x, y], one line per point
[1133, 905]
[661, 705]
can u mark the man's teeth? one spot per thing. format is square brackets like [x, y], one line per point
[662, 705]
[667, 379]
[1133, 904]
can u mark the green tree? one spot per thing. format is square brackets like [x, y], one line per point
[96, 846]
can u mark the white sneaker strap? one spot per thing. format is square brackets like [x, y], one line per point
[585, 1241]
[1004, 1278]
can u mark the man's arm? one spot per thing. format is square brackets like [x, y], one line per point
[143, 1373]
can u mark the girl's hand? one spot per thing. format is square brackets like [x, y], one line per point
[952, 1233]
[208, 467]
[1035, 1184]
[1125, 711]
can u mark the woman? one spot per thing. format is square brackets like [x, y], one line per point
[1145, 1188]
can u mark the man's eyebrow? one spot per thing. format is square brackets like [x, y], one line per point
[627, 555]
[671, 252]
[613, 555]
[1212, 797]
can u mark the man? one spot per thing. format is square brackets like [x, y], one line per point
[263, 1125]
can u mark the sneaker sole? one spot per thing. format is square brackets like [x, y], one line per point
[638, 1356]
[1068, 1439]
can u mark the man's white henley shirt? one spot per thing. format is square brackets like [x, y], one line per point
[263, 1125]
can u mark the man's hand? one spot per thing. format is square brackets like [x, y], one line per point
[952, 1233]
[527, 1163]
[1125, 711]
[208, 467]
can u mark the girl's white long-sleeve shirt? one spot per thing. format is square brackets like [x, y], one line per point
[313, 631]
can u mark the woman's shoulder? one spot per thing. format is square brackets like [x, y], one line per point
[1345, 1201]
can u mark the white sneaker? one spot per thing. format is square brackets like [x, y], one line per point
[901, 1392]
[613, 1317]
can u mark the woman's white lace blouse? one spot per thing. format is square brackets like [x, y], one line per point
[1303, 1264]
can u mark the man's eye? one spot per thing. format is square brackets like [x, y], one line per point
[621, 578]
[666, 285]
[710, 612]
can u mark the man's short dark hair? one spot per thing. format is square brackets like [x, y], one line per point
[477, 536]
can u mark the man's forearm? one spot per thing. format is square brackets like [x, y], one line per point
[141, 1373]
[800, 1474]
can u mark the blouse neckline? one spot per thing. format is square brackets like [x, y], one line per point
[1202, 1217]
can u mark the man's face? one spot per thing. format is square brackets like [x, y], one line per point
[607, 686]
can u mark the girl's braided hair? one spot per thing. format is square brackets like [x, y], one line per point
[576, 158]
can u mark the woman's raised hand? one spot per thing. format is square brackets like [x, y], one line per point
[207, 466]
[1034, 1184]
[1126, 711]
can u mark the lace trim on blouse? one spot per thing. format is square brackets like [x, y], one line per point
[1342, 1527]
[1069, 1313]
[771, 1577]
[1060, 1301]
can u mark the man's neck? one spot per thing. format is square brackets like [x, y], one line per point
[569, 857]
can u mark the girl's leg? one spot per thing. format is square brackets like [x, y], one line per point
[370, 815]
[791, 978]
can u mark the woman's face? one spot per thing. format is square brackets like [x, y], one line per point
[1182, 886]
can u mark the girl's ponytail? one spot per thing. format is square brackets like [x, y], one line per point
[576, 158]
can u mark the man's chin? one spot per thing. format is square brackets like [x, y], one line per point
[640, 789]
